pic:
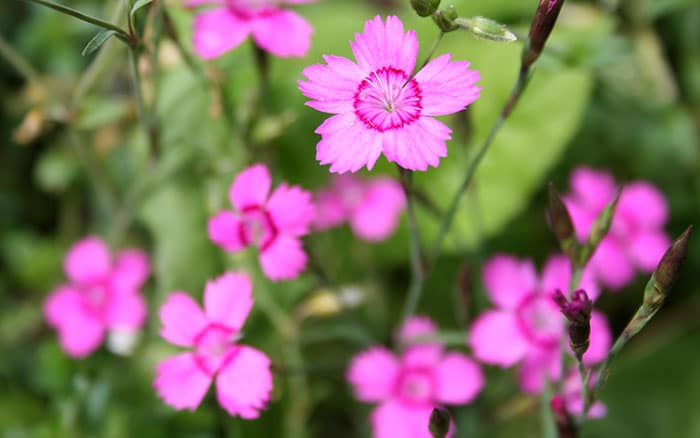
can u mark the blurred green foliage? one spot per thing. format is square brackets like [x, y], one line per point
[618, 88]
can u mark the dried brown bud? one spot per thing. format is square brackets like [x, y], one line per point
[439, 425]
[672, 261]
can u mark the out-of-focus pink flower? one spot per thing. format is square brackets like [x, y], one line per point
[242, 373]
[273, 223]
[573, 399]
[279, 31]
[408, 387]
[102, 295]
[527, 327]
[636, 239]
[371, 206]
[380, 107]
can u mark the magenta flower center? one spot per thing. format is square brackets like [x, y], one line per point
[540, 320]
[416, 386]
[257, 227]
[95, 297]
[213, 345]
[384, 100]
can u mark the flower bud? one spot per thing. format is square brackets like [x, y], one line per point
[578, 313]
[667, 271]
[445, 19]
[561, 224]
[486, 28]
[542, 25]
[439, 425]
[425, 7]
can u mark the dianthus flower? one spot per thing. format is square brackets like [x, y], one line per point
[274, 224]
[572, 397]
[279, 31]
[636, 239]
[380, 106]
[409, 386]
[242, 373]
[102, 295]
[371, 206]
[527, 326]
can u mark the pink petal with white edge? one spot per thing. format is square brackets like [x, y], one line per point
[180, 382]
[447, 87]
[373, 374]
[394, 419]
[228, 299]
[376, 216]
[131, 270]
[417, 145]
[593, 188]
[600, 339]
[243, 386]
[509, 280]
[284, 259]
[224, 229]
[347, 145]
[88, 261]
[644, 204]
[79, 331]
[538, 367]
[291, 209]
[182, 319]
[282, 33]
[218, 31]
[611, 265]
[646, 249]
[332, 87]
[125, 310]
[250, 187]
[388, 45]
[495, 338]
[459, 379]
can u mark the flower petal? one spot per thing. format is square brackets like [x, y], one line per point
[593, 188]
[217, 31]
[331, 210]
[495, 338]
[182, 319]
[282, 33]
[244, 384]
[180, 382]
[125, 310]
[80, 332]
[417, 145]
[381, 45]
[611, 264]
[539, 367]
[643, 204]
[394, 419]
[459, 379]
[131, 270]
[284, 259]
[556, 274]
[228, 299]
[333, 86]
[250, 187]
[646, 249]
[88, 261]
[600, 339]
[373, 374]
[508, 280]
[376, 216]
[224, 229]
[347, 145]
[291, 209]
[447, 87]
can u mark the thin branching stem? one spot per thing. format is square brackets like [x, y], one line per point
[417, 264]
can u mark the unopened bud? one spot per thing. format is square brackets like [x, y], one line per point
[439, 425]
[486, 28]
[542, 25]
[578, 313]
[667, 271]
[425, 7]
[561, 224]
[445, 19]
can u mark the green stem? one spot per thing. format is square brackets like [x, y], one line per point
[417, 265]
[95, 172]
[585, 381]
[549, 427]
[148, 122]
[19, 63]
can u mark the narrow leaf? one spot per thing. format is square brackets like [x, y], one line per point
[138, 5]
[97, 41]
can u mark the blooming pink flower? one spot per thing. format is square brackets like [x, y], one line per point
[274, 224]
[279, 31]
[242, 373]
[371, 206]
[380, 107]
[102, 294]
[636, 239]
[527, 327]
[571, 400]
[409, 386]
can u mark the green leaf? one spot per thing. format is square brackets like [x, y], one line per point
[138, 4]
[97, 41]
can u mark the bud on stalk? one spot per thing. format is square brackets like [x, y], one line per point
[578, 313]
[439, 425]
[445, 19]
[542, 25]
[425, 8]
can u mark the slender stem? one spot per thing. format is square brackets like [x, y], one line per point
[417, 265]
[428, 56]
[19, 63]
[585, 381]
[549, 428]
[147, 121]
[121, 33]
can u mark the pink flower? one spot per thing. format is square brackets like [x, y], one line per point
[527, 327]
[371, 206]
[407, 387]
[273, 223]
[243, 377]
[380, 107]
[636, 240]
[278, 31]
[573, 399]
[102, 294]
